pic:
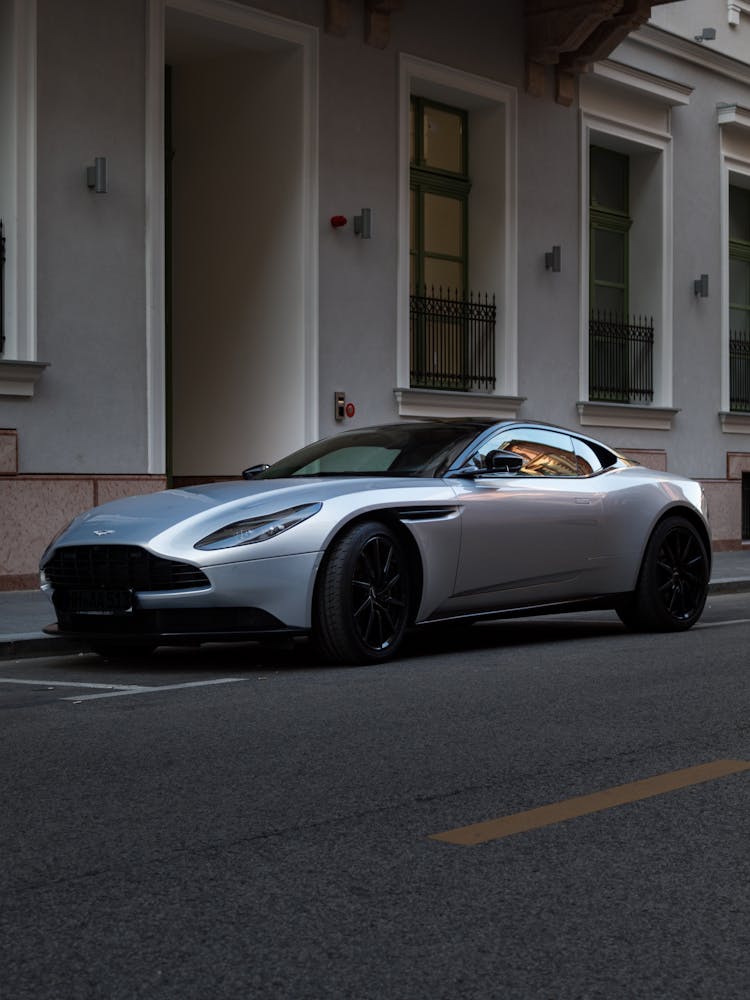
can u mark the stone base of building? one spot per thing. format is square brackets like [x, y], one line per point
[35, 507]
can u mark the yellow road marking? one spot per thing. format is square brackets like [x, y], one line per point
[582, 805]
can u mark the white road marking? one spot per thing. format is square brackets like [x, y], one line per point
[153, 690]
[114, 690]
[735, 621]
[70, 684]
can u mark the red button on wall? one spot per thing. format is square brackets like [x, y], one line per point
[350, 409]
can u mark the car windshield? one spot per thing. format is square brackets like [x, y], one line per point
[420, 450]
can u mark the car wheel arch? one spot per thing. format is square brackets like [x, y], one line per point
[638, 608]
[387, 518]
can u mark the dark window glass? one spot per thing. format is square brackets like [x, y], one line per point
[739, 261]
[609, 180]
[739, 213]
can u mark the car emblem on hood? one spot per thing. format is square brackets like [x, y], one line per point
[105, 531]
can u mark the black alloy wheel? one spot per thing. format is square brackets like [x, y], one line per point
[362, 604]
[673, 582]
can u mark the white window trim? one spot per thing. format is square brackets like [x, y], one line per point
[738, 118]
[19, 368]
[735, 10]
[306, 37]
[446, 82]
[630, 415]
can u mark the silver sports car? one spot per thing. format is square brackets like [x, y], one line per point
[360, 536]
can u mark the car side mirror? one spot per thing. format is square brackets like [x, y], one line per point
[503, 461]
[496, 463]
[254, 471]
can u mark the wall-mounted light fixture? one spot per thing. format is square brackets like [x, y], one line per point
[363, 224]
[700, 286]
[552, 259]
[96, 175]
[706, 35]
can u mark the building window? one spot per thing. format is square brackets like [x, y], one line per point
[452, 330]
[458, 229]
[739, 299]
[626, 229]
[620, 347]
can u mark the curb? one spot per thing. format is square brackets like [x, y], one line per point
[21, 644]
[740, 585]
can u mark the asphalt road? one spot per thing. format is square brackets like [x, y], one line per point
[269, 834]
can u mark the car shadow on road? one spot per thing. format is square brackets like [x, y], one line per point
[221, 659]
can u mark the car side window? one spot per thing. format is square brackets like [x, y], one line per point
[588, 460]
[545, 453]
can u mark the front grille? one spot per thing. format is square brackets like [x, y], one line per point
[119, 567]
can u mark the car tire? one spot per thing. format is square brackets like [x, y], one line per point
[362, 599]
[673, 581]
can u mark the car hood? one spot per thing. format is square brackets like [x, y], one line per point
[177, 518]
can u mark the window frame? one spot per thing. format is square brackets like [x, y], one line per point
[631, 111]
[738, 250]
[611, 220]
[493, 111]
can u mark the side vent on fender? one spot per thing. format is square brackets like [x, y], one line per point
[427, 513]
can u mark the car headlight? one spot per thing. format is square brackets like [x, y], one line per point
[257, 529]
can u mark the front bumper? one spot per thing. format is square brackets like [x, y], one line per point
[245, 600]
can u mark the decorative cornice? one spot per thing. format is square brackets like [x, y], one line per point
[684, 48]
[445, 403]
[659, 88]
[18, 378]
[735, 9]
[733, 114]
[735, 423]
[649, 418]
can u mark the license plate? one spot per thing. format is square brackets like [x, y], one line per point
[97, 602]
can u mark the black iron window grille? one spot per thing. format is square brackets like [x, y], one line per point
[739, 371]
[621, 359]
[452, 341]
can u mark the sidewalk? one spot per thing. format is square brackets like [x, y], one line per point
[23, 613]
